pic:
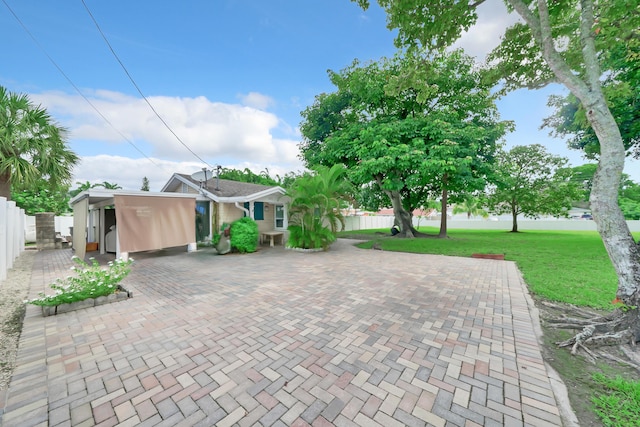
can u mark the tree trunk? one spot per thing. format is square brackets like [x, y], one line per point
[5, 184]
[402, 217]
[443, 214]
[514, 215]
[613, 228]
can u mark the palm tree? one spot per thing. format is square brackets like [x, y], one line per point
[108, 186]
[32, 146]
[316, 207]
[471, 206]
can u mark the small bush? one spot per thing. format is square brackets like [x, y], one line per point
[310, 238]
[244, 235]
[91, 281]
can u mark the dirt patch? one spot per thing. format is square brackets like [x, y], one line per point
[577, 371]
[13, 291]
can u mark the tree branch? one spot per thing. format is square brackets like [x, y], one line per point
[476, 4]
[541, 30]
[587, 40]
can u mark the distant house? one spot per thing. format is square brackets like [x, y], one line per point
[220, 201]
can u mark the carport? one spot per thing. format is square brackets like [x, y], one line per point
[143, 220]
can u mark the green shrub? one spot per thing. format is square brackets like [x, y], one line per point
[244, 235]
[310, 238]
[91, 281]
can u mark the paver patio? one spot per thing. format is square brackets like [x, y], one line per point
[347, 337]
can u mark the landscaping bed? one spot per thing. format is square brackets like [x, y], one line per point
[121, 294]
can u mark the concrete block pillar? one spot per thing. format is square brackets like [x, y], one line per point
[45, 231]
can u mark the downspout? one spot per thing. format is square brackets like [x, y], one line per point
[244, 209]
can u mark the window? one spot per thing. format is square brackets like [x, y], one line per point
[279, 216]
[258, 210]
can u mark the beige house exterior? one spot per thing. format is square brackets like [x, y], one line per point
[221, 201]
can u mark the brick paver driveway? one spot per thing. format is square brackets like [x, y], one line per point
[280, 338]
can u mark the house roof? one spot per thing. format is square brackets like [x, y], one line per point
[102, 197]
[224, 190]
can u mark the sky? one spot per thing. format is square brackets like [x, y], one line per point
[228, 79]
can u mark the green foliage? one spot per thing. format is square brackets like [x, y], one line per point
[618, 404]
[471, 206]
[311, 237]
[315, 207]
[87, 185]
[622, 89]
[247, 175]
[630, 208]
[90, 281]
[532, 182]
[408, 128]
[42, 198]
[145, 184]
[244, 235]
[32, 146]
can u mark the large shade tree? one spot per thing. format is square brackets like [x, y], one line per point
[562, 42]
[32, 145]
[413, 127]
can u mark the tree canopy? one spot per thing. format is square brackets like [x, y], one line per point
[531, 182]
[32, 146]
[413, 127]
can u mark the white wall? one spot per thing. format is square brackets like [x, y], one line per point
[12, 226]
[62, 224]
[372, 222]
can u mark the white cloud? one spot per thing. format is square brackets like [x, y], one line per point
[211, 129]
[485, 35]
[256, 100]
[128, 172]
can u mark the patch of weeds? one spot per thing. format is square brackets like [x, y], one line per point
[618, 404]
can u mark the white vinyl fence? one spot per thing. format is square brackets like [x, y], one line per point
[497, 223]
[12, 223]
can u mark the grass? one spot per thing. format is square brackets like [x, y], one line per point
[561, 266]
[619, 403]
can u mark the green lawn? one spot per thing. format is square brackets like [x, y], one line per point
[564, 266]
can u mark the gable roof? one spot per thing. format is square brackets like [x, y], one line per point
[224, 190]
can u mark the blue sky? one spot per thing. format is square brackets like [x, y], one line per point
[229, 77]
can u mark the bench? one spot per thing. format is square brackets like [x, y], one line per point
[271, 235]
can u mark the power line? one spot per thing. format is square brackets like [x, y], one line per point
[138, 88]
[24, 27]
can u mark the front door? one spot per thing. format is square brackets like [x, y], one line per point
[203, 224]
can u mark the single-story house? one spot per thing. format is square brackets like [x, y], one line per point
[222, 201]
[184, 212]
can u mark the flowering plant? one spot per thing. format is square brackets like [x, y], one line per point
[91, 281]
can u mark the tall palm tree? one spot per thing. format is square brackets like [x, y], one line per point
[32, 146]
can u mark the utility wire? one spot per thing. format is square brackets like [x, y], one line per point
[138, 88]
[24, 27]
